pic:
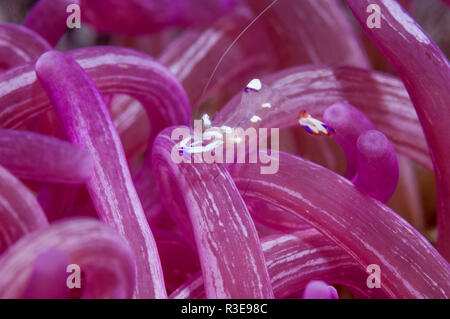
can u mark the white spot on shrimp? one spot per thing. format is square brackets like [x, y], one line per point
[254, 85]
[255, 119]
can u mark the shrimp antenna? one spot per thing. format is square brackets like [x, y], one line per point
[232, 44]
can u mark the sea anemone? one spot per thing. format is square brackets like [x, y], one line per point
[251, 149]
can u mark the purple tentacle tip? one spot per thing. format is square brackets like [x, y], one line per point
[319, 290]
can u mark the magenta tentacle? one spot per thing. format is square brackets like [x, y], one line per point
[53, 28]
[141, 16]
[322, 33]
[230, 253]
[105, 260]
[310, 256]
[371, 160]
[378, 171]
[361, 226]
[19, 44]
[85, 117]
[114, 70]
[39, 157]
[426, 73]
[48, 277]
[19, 211]
[178, 259]
[56, 200]
[349, 124]
[317, 289]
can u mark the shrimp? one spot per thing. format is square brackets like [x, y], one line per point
[314, 126]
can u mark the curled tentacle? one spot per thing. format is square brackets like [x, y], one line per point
[362, 226]
[106, 262]
[39, 157]
[19, 44]
[220, 226]
[310, 256]
[49, 19]
[19, 210]
[426, 73]
[349, 123]
[85, 117]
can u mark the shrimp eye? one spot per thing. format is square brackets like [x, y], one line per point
[182, 150]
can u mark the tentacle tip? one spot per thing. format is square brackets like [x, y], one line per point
[45, 59]
[317, 289]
